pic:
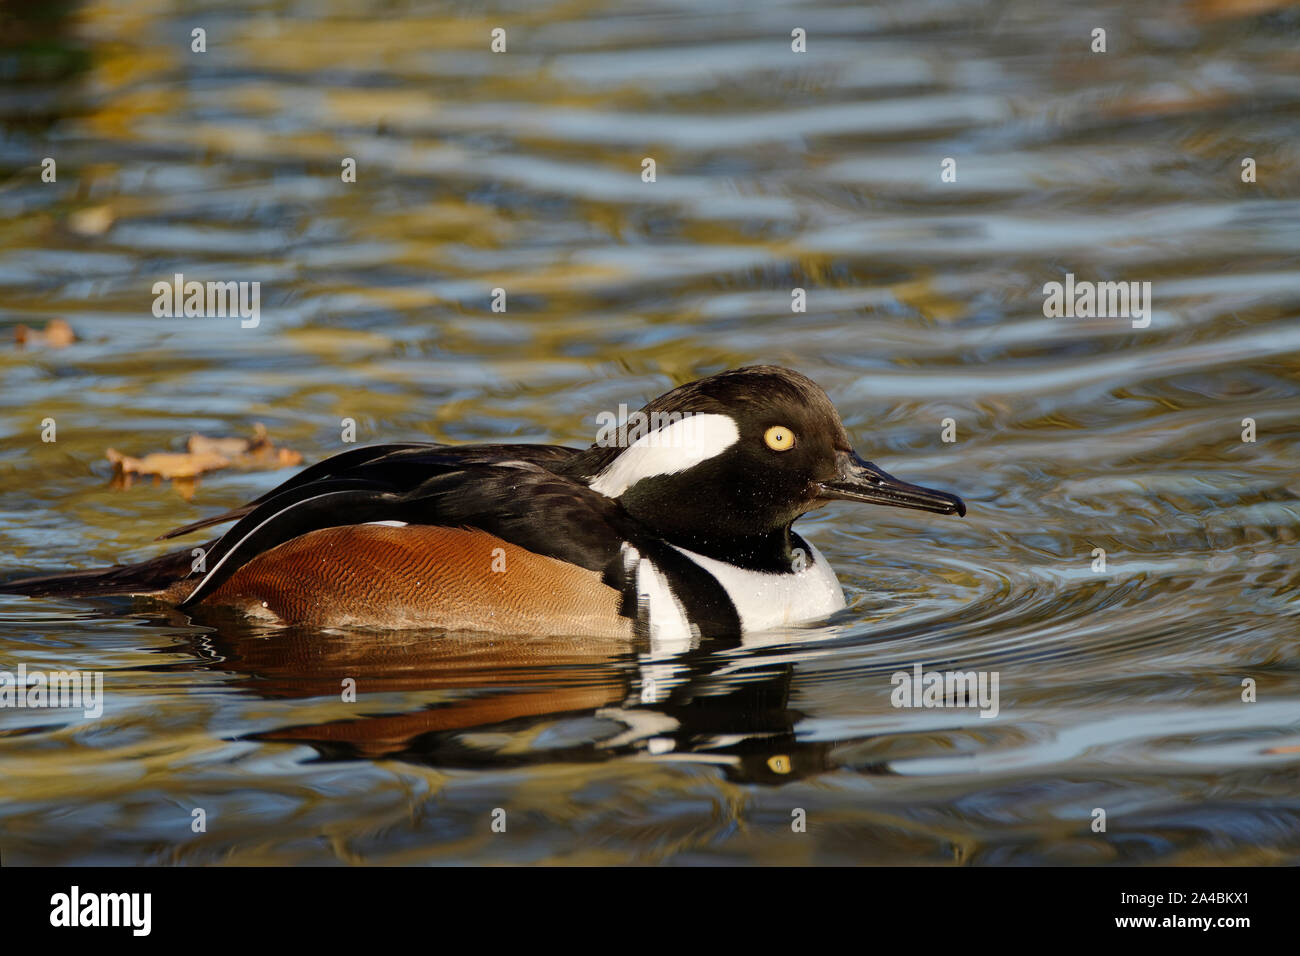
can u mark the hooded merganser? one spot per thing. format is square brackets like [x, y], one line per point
[676, 524]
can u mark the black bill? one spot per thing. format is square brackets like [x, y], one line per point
[860, 480]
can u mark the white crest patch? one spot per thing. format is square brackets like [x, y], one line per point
[764, 600]
[666, 451]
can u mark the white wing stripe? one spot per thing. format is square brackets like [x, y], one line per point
[668, 450]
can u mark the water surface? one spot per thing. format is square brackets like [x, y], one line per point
[1120, 689]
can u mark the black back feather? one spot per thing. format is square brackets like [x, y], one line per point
[509, 491]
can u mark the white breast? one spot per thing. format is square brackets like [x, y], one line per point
[765, 601]
[670, 630]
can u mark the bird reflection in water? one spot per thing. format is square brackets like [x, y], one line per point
[490, 702]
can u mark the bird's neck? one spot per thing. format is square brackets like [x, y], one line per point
[773, 552]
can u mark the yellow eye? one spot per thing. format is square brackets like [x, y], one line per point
[779, 763]
[779, 438]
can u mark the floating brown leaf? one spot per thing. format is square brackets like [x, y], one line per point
[91, 221]
[57, 335]
[167, 464]
[204, 454]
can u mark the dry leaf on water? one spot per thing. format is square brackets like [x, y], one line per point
[203, 454]
[57, 335]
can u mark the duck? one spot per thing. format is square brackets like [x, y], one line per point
[676, 524]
